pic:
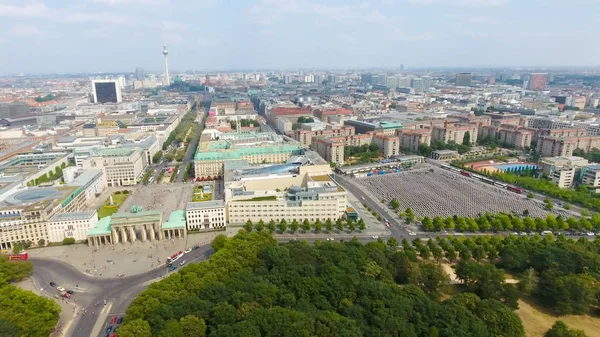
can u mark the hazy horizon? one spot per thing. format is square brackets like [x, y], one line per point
[115, 36]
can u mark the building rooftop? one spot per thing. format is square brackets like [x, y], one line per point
[73, 216]
[103, 227]
[238, 153]
[176, 220]
[204, 205]
[114, 151]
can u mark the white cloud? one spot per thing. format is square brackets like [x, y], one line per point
[100, 17]
[482, 20]
[24, 31]
[468, 3]
[127, 2]
[205, 42]
[27, 11]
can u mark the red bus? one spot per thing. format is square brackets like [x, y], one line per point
[514, 189]
[465, 173]
[174, 258]
[18, 257]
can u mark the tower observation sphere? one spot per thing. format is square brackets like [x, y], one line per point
[165, 52]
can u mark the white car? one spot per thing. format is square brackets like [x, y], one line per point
[330, 239]
[59, 288]
[187, 250]
[412, 233]
[182, 262]
[375, 237]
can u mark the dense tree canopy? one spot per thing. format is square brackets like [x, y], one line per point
[22, 313]
[253, 287]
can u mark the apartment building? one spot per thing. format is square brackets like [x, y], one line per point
[388, 145]
[331, 149]
[121, 166]
[553, 146]
[473, 119]
[454, 133]
[565, 177]
[305, 136]
[411, 139]
[205, 215]
[517, 137]
[561, 133]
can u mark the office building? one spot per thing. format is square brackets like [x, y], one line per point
[307, 194]
[464, 79]
[26, 213]
[140, 75]
[205, 215]
[106, 91]
[538, 81]
[121, 166]
[417, 84]
[71, 225]
[14, 110]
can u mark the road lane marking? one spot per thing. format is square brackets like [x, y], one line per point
[99, 325]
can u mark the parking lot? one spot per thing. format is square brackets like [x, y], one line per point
[442, 193]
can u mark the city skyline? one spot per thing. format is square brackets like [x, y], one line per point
[119, 35]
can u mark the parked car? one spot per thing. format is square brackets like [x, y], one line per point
[412, 233]
[113, 320]
[172, 267]
[329, 239]
[109, 329]
[65, 295]
[52, 284]
[120, 320]
[70, 291]
[187, 250]
[195, 247]
[375, 237]
[182, 262]
[60, 288]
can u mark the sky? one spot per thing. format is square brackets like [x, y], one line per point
[70, 36]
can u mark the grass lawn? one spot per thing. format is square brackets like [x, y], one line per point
[107, 209]
[198, 192]
[537, 321]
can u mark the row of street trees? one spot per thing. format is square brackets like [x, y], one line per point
[318, 226]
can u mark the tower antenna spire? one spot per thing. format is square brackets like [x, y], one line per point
[165, 52]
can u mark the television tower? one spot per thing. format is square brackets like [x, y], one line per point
[165, 53]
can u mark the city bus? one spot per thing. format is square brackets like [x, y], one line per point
[174, 258]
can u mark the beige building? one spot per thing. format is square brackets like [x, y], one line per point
[444, 155]
[412, 139]
[27, 212]
[71, 225]
[388, 145]
[591, 177]
[517, 137]
[454, 133]
[553, 147]
[563, 171]
[311, 195]
[565, 177]
[121, 166]
[331, 149]
[205, 215]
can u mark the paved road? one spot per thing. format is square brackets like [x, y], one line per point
[191, 149]
[118, 292]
